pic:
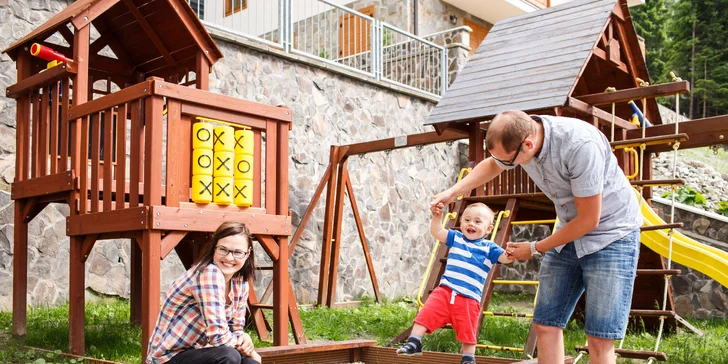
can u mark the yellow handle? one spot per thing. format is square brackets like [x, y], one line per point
[636, 163]
[505, 213]
[462, 174]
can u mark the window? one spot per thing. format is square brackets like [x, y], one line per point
[233, 6]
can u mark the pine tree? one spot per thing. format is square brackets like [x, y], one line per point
[650, 21]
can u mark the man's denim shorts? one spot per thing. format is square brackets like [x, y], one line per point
[606, 276]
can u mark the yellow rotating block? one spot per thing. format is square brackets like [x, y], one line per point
[202, 136]
[224, 164]
[223, 190]
[202, 162]
[223, 139]
[244, 142]
[202, 189]
[243, 193]
[244, 167]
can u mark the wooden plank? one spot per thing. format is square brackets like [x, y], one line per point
[405, 141]
[604, 117]
[653, 140]
[95, 160]
[76, 296]
[184, 155]
[46, 185]
[619, 96]
[20, 270]
[83, 167]
[175, 146]
[108, 176]
[44, 130]
[228, 103]
[170, 241]
[551, 13]
[601, 54]
[587, 15]
[282, 291]
[120, 171]
[633, 354]
[35, 142]
[257, 168]
[65, 124]
[362, 236]
[150, 284]
[542, 41]
[128, 94]
[97, 223]
[150, 32]
[136, 152]
[309, 210]
[50, 75]
[716, 124]
[484, 112]
[328, 226]
[202, 219]
[294, 316]
[153, 150]
[23, 120]
[486, 102]
[225, 115]
[196, 30]
[271, 351]
[336, 241]
[54, 124]
[483, 70]
[378, 354]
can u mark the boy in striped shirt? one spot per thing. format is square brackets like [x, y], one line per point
[457, 299]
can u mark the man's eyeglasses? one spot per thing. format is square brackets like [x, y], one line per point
[510, 162]
[237, 254]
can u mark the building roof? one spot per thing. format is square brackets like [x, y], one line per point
[534, 62]
[147, 36]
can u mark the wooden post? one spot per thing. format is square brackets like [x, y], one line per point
[476, 150]
[336, 241]
[202, 72]
[20, 270]
[76, 296]
[135, 282]
[328, 228]
[151, 260]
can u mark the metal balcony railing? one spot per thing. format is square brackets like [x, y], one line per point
[334, 34]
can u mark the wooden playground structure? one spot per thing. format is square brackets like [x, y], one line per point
[111, 137]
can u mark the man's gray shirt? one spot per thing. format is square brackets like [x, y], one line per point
[576, 160]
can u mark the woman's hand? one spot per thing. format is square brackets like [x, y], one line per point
[245, 345]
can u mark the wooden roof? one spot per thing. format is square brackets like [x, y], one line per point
[148, 36]
[534, 62]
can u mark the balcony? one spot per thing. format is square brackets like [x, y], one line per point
[330, 32]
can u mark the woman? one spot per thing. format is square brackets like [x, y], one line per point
[203, 315]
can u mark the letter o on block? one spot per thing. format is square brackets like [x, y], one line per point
[244, 167]
[202, 162]
[202, 136]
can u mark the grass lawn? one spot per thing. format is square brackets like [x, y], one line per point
[718, 161]
[110, 336]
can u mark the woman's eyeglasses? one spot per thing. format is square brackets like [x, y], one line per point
[237, 254]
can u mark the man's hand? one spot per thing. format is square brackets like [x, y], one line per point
[245, 345]
[518, 251]
[445, 198]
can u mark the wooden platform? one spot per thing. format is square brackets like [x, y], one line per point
[364, 351]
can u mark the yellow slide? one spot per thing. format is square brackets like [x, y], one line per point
[706, 259]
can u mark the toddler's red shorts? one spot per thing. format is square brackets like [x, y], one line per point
[462, 314]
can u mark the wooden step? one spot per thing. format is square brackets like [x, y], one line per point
[661, 227]
[651, 313]
[658, 182]
[658, 272]
[631, 354]
[654, 140]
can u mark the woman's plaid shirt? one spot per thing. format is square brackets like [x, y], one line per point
[195, 314]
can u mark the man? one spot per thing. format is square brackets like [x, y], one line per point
[596, 246]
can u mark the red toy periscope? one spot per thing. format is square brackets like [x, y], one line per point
[47, 53]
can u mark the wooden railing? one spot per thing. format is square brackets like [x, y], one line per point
[514, 181]
[157, 169]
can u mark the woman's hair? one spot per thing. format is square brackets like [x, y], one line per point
[226, 229]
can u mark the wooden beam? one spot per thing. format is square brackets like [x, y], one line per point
[46, 185]
[601, 54]
[619, 96]
[86, 16]
[170, 241]
[404, 141]
[212, 100]
[202, 219]
[98, 223]
[604, 117]
[717, 125]
[56, 73]
[134, 9]
[128, 94]
[88, 244]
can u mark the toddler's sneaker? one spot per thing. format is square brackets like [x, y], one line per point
[468, 360]
[412, 347]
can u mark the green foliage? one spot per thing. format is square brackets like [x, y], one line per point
[323, 53]
[650, 21]
[722, 208]
[687, 196]
[387, 37]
